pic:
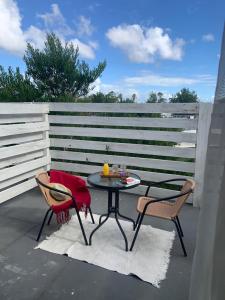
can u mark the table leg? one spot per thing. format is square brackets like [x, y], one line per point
[100, 218]
[115, 210]
[117, 220]
[97, 228]
[121, 229]
[122, 216]
[106, 215]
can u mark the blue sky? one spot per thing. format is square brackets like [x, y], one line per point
[149, 45]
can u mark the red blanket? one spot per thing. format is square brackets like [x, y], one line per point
[77, 186]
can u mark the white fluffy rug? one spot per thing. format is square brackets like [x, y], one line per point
[149, 259]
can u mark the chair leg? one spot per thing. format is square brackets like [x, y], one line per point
[42, 225]
[92, 218]
[180, 236]
[50, 218]
[178, 222]
[80, 222]
[136, 222]
[137, 230]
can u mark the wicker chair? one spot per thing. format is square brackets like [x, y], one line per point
[164, 209]
[43, 181]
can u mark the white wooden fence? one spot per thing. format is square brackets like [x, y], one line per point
[24, 146]
[83, 136]
[86, 135]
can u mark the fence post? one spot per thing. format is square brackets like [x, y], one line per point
[204, 119]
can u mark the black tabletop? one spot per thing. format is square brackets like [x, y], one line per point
[98, 181]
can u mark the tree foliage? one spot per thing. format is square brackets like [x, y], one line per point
[110, 97]
[156, 98]
[57, 71]
[184, 96]
[17, 87]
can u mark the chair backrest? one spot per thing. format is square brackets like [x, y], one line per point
[188, 186]
[44, 178]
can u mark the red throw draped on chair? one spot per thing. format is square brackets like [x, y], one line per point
[79, 191]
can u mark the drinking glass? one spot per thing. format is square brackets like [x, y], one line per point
[123, 170]
[115, 169]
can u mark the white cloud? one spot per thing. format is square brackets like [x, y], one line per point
[35, 36]
[55, 21]
[85, 50]
[118, 88]
[209, 37]
[54, 16]
[14, 39]
[142, 85]
[165, 81]
[11, 34]
[93, 44]
[84, 26]
[142, 45]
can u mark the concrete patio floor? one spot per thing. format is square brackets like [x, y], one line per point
[26, 273]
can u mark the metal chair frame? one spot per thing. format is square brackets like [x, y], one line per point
[175, 220]
[74, 206]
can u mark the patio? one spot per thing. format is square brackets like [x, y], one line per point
[35, 274]
[78, 138]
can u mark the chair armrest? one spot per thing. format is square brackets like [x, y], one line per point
[53, 189]
[165, 199]
[162, 182]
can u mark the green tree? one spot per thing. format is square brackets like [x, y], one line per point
[100, 97]
[16, 87]
[131, 99]
[156, 98]
[184, 96]
[57, 71]
[110, 97]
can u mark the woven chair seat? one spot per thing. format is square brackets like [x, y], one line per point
[162, 209]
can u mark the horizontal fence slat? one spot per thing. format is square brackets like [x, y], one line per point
[15, 129]
[23, 168]
[19, 178]
[7, 152]
[125, 121]
[12, 161]
[19, 189]
[125, 134]
[19, 139]
[123, 147]
[184, 108]
[129, 161]
[23, 108]
[23, 146]
[23, 118]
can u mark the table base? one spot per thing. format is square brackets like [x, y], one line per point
[113, 210]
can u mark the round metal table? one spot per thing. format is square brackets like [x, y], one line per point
[113, 186]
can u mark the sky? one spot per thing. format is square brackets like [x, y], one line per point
[149, 45]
